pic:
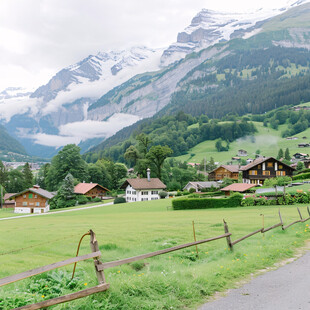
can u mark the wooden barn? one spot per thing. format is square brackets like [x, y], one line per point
[91, 190]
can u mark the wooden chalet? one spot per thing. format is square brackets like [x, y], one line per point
[7, 202]
[224, 171]
[242, 153]
[237, 187]
[91, 190]
[32, 200]
[264, 168]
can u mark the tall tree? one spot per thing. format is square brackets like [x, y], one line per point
[28, 176]
[287, 155]
[157, 155]
[68, 160]
[3, 174]
[280, 154]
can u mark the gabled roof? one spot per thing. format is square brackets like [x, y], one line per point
[83, 188]
[231, 168]
[154, 183]
[203, 184]
[238, 187]
[36, 190]
[259, 161]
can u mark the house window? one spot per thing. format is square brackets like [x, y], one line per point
[128, 192]
[154, 192]
[35, 196]
[259, 167]
[145, 193]
[270, 165]
[280, 173]
[38, 204]
[25, 203]
[253, 172]
[280, 167]
[266, 172]
[30, 195]
[24, 196]
[134, 192]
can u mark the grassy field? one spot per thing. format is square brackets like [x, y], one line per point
[267, 140]
[172, 281]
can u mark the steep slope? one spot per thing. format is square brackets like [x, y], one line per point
[9, 144]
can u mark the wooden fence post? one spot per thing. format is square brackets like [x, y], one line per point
[95, 247]
[228, 237]
[308, 211]
[281, 218]
[195, 239]
[299, 213]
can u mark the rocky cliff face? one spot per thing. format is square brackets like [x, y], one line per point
[210, 27]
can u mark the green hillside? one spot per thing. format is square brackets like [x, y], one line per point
[267, 140]
[9, 144]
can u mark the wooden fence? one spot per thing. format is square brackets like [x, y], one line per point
[100, 267]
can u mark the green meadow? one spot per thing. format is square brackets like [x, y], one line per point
[267, 140]
[177, 280]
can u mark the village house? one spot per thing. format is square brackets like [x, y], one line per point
[300, 156]
[237, 187]
[91, 190]
[143, 189]
[7, 202]
[303, 145]
[224, 171]
[264, 168]
[32, 200]
[198, 186]
[242, 153]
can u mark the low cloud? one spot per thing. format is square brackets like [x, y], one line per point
[81, 131]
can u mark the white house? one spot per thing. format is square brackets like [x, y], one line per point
[198, 186]
[143, 189]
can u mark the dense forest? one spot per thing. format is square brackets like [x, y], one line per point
[243, 82]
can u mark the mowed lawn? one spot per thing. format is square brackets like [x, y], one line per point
[267, 140]
[172, 281]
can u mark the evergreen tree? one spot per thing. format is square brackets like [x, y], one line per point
[280, 154]
[300, 166]
[287, 155]
[67, 188]
[28, 176]
[3, 174]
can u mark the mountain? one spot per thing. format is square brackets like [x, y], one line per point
[210, 27]
[9, 144]
[37, 118]
[253, 75]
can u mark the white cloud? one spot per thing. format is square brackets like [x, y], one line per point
[80, 131]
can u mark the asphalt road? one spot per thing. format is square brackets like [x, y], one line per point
[287, 288]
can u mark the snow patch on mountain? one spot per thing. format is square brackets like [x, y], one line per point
[210, 27]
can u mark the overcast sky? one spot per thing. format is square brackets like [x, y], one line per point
[40, 37]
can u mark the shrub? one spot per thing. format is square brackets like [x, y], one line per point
[206, 203]
[301, 176]
[96, 199]
[162, 194]
[193, 196]
[248, 201]
[119, 200]
[178, 194]
[192, 190]
[81, 199]
[186, 192]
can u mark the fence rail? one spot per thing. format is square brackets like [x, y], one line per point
[100, 267]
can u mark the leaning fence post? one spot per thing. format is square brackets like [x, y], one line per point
[308, 211]
[299, 213]
[228, 237]
[281, 219]
[94, 247]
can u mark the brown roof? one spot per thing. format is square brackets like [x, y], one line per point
[261, 160]
[83, 188]
[36, 190]
[154, 183]
[231, 168]
[7, 196]
[238, 187]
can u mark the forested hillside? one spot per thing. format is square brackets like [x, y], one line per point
[246, 81]
[9, 144]
[177, 133]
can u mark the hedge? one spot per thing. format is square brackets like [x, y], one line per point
[301, 176]
[119, 200]
[207, 203]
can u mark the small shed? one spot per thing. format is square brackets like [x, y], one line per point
[237, 187]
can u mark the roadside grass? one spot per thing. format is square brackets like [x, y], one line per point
[176, 280]
[9, 212]
[267, 140]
